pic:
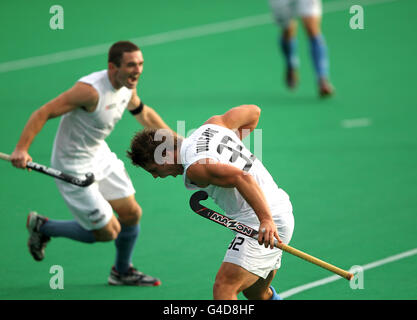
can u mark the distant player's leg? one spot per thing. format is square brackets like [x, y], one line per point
[311, 11]
[94, 220]
[119, 191]
[283, 11]
[42, 229]
[68, 229]
[129, 213]
[288, 44]
[123, 272]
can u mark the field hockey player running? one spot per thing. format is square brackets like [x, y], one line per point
[89, 112]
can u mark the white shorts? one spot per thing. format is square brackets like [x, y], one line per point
[90, 206]
[286, 10]
[247, 253]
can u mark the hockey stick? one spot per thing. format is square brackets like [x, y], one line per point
[250, 232]
[89, 177]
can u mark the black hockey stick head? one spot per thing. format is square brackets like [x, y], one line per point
[89, 179]
[218, 217]
[196, 198]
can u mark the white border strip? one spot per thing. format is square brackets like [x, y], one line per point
[368, 266]
[170, 36]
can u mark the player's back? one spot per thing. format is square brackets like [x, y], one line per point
[221, 144]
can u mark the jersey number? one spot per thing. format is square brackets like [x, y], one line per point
[237, 152]
[235, 243]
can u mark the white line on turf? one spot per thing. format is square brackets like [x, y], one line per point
[354, 123]
[368, 266]
[170, 36]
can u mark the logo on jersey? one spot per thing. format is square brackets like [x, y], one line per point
[110, 106]
[204, 140]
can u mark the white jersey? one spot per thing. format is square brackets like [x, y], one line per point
[223, 145]
[79, 145]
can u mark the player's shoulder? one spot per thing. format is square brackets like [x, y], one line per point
[83, 94]
[82, 88]
[94, 77]
[217, 120]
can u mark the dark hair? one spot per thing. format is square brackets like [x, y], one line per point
[144, 144]
[116, 51]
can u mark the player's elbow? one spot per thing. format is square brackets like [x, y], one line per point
[257, 112]
[253, 114]
[254, 110]
[252, 118]
[41, 115]
[242, 178]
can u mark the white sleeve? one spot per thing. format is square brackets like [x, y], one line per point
[188, 157]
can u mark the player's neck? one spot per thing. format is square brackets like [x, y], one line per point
[115, 84]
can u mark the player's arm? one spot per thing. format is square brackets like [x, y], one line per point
[144, 114]
[80, 95]
[242, 119]
[208, 172]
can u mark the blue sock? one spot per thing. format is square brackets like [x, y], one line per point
[125, 243]
[289, 49]
[67, 229]
[319, 56]
[275, 295]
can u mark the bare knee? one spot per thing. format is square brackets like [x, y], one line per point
[109, 232]
[217, 287]
[290, 31]
[128, 210]
[105, 236]
[225, 288]
[224, 291]
[312, 26]
[132, 216]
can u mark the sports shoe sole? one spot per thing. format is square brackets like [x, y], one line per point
[114, 282]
